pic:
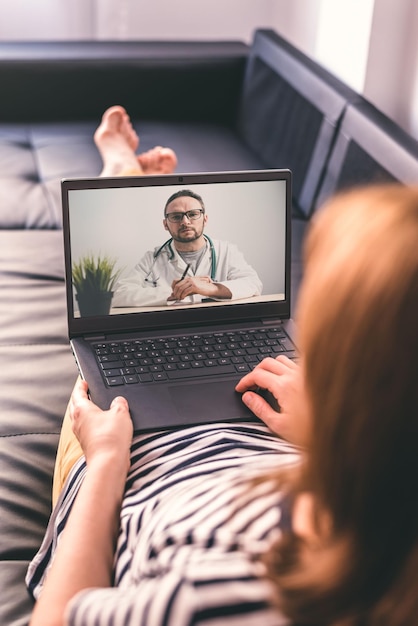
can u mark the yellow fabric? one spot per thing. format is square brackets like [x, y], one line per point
[132, 172]
[68, 453]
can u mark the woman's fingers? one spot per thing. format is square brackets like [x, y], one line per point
[266, 373]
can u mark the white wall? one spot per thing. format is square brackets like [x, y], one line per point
[391, 80]
[46, 19]
[342, 38]
[182, 19]
[370, 44]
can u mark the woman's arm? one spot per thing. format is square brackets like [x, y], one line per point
[84, 556]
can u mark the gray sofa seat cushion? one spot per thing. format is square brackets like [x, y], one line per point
[16, 605]
[38, 372]
[35, 157]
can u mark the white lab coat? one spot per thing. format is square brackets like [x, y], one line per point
[149, 284]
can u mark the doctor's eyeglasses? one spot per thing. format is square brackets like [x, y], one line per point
[193, 215]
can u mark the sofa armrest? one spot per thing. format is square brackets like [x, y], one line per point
[290, 112]
[370, 148]
[57, 81]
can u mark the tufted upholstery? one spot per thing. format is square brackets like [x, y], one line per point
[32, 161]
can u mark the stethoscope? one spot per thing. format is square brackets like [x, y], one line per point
[167, 244]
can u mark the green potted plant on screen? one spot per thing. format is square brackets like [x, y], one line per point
[94, 279]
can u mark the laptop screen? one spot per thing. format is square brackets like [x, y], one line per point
[176, 249]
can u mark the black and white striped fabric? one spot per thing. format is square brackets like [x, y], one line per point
[193, 526]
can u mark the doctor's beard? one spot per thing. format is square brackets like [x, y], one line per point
[190, 237]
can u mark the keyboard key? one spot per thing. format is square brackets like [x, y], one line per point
[111, 373]
[131, 362]
[287, 345]
[114, 381]
[109, 358]
[129, 380]
[145, 378]
[159, 376]
[111, 364]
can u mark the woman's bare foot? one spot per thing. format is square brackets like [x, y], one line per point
[117, 142]
[158, 160]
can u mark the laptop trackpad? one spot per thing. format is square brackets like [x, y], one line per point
[209, 402]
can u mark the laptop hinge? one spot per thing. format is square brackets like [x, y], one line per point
[95, 338]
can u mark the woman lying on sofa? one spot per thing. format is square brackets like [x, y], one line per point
[231, 523]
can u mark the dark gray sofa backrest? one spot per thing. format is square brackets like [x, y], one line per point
[290, 111]
[370, 148]
[175, 81]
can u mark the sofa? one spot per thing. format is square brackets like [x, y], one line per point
[221, 106]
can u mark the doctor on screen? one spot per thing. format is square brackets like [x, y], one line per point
[189, 267]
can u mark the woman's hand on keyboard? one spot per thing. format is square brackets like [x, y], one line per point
[274, 392]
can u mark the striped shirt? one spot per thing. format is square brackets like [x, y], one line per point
[192, 529]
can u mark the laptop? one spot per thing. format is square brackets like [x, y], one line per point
[177, 359]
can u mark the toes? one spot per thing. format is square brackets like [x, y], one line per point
[143, 160]
[158, 160]
[116, 122]
[167, 160]
[111, 111]
[148, 161]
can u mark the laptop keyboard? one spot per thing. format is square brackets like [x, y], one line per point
[189, 356]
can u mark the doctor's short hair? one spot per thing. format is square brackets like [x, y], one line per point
[185, 193]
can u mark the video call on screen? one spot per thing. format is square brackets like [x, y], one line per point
[124, 224]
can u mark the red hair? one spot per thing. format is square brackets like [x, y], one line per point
[358, 323]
